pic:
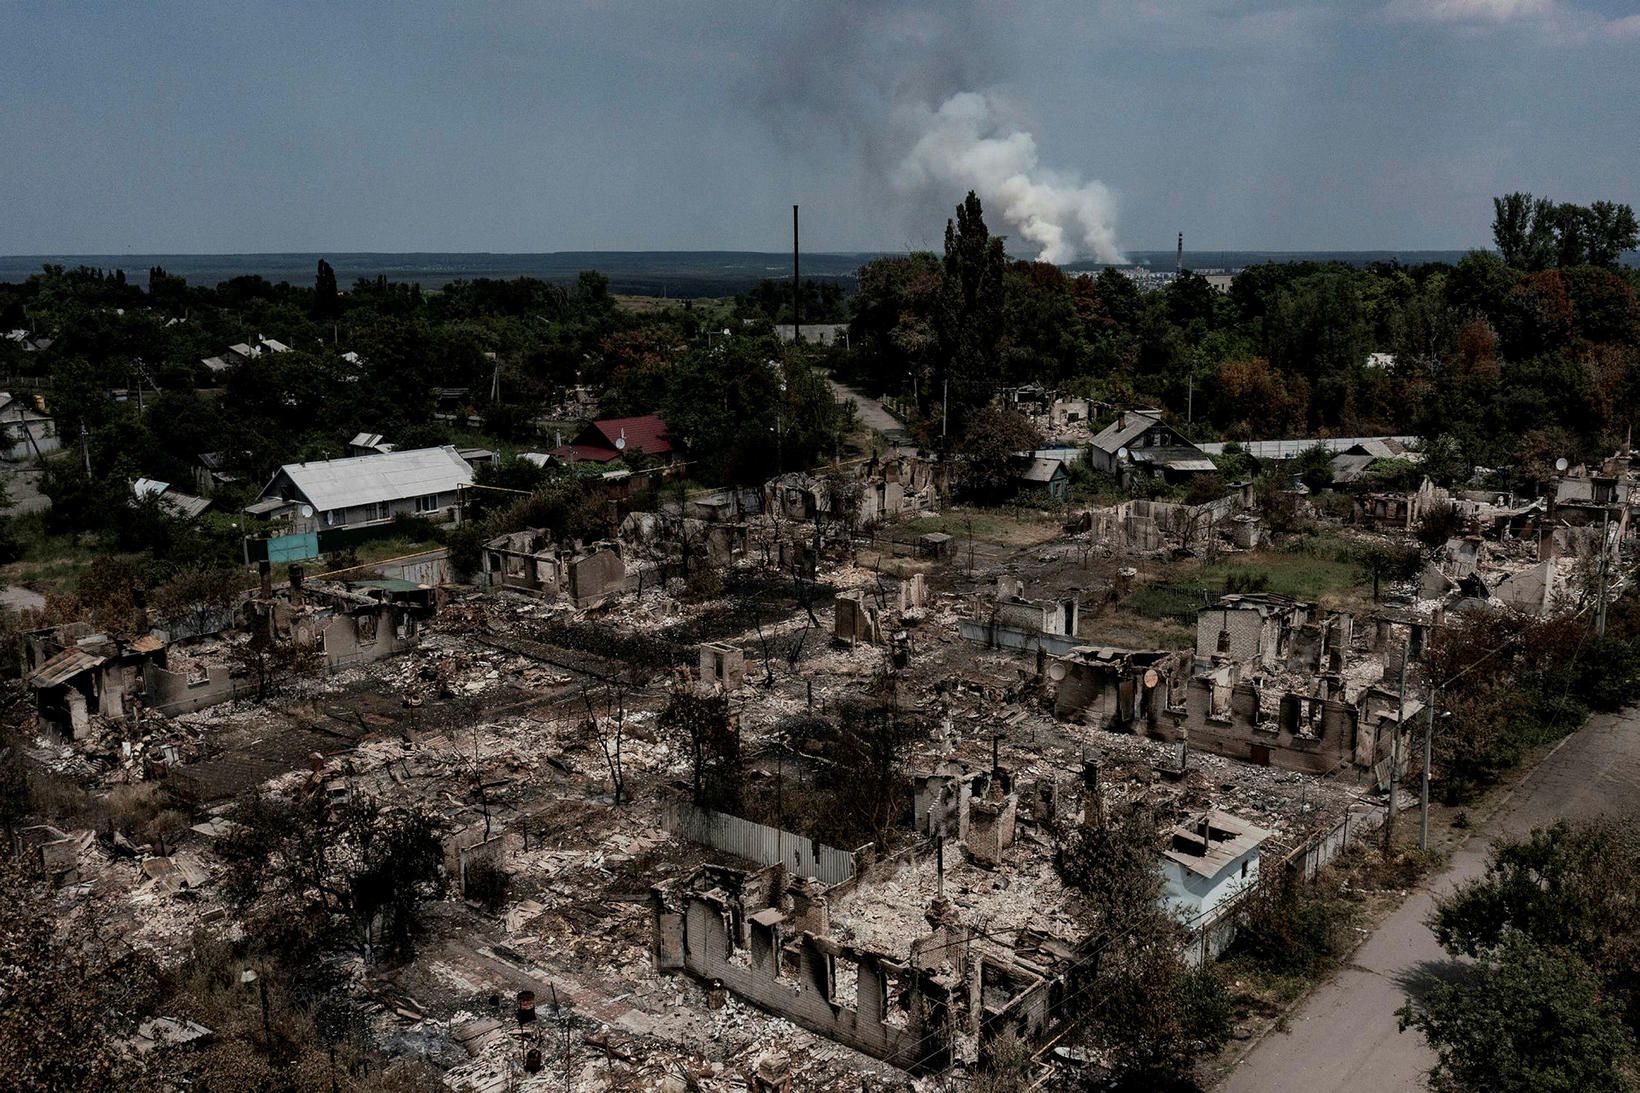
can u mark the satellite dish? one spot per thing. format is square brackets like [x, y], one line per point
[1056, 671]
[1151, 679]
[1122, 454]
[620, 443]
[1561, 464]
[307, 511]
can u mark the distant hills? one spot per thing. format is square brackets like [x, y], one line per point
[640, 273]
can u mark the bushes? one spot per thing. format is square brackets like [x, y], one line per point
[1293, 927]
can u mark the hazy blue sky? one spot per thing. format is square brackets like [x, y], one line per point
[222, 127]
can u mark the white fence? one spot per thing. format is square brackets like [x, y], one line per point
[762, 844]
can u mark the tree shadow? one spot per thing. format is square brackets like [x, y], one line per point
[1417, 981]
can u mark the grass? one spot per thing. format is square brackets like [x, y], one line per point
[48, 562]
[1007, 527]
[1319, 570]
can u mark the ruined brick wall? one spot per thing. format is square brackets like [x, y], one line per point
[595, 576]
[171, 693]
[797, 980]
[991, 828]
[365, 636]
[1237, 633]
[1239, 732]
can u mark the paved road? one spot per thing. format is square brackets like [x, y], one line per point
[1344, 1038]
[873, 414]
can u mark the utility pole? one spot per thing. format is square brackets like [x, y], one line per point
[797, 286]
[1395, 751]
[945, 404]
[1423, 786]
[1605, 553]
[1190, 399]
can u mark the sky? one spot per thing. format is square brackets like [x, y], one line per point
[1089, 126]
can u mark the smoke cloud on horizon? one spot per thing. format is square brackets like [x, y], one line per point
[913, 93]
[967, 144]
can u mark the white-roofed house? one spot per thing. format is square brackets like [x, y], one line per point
[1209, 859]
[368, 489]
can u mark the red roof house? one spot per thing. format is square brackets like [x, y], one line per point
[608, 440]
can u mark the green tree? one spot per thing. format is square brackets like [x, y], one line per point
[1148, 1013]
[1612, 229]
[1564, 887]
[971, 325]
[1524, 1021]
[1381, 562]
[989, 440]
[326, 301]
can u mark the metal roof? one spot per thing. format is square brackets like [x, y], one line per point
[185, 504]
[1128, 426]
[1382, 446]
[1040, 470]
[1175, 457]
[1229, 838]
[64, 667]
[389, 476]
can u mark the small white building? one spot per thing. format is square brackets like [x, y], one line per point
[367, 489]
[1209, 859]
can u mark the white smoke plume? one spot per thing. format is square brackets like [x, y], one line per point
[966, 144]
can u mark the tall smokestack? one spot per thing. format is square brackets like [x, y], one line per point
[1178, 262]
[797, 287]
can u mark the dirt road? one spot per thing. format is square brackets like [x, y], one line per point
[874, 416]
[1344, 1038]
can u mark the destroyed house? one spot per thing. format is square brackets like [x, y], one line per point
[367, 489]
[530, 561]
[1397, 511]
[614, 438]
[1318, 733]
[896, 486]
[1120, 689]
[1209, 858]
[765, 937]
[1011, 621]
[76, 674]
[1271, 631]
[345, 624]
[796, 496]
[1140, 442]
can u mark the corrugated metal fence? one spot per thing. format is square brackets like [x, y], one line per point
[762, 844]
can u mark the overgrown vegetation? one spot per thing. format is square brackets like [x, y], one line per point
[1514, 682]
[1552, 1001]
[1144, 1010]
